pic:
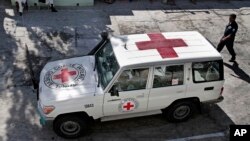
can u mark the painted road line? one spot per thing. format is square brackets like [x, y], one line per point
[212, 135]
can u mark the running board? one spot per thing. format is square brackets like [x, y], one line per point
[124, 116]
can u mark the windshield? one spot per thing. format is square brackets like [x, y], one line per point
[107, 64]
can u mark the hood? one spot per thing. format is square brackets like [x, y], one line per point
[67, 79]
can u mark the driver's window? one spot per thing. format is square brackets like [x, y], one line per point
[133, 79]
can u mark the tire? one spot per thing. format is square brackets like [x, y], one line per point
[70, 127]
[179, 112]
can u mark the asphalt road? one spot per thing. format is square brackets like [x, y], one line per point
[75, 31]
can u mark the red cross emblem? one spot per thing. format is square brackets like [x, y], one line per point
[64, 75]
[128, 106]
[164, 46]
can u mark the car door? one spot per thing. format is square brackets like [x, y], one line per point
[168, 85]
[132, 93]
[207, 80]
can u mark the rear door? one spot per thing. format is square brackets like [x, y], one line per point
[207, 79]
[168, 85]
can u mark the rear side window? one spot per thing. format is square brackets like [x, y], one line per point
[165, 76]
[207, 71]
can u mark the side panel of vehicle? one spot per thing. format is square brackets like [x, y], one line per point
[91, 104]
[132, 85]
[208, 84]
[168, 85]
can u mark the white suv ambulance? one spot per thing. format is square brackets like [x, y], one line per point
[130, 76]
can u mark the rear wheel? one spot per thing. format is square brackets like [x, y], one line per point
[70, 126]
[179, 112]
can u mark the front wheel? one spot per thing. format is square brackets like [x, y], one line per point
[70, 127]
[179, 112]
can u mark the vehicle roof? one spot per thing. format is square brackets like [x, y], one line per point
[140, 49]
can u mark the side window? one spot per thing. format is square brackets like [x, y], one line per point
[207, 71]
[133, 79]
[168, 76]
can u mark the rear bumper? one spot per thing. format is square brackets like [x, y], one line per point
[221, 98]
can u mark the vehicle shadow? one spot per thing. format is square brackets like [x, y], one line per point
[241, 74]
[212, 120]
[17, 112]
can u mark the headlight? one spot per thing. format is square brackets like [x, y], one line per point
[48, 109]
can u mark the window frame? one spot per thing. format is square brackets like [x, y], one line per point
[97, 67]
[184, 75]
[122, 70]
[221, 71]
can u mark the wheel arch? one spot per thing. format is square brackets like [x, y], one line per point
[194, 100]
[81, 114]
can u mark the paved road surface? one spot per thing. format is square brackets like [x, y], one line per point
[75, 31]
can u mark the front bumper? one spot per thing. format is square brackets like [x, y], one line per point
[43, 119]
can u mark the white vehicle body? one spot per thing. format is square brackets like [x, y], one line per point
[163, 75]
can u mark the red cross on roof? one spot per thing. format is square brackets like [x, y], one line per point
[64, 75]
[128, 106]
[164, 46]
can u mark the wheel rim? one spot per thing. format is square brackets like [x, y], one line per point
[70, 128]
[182, 112]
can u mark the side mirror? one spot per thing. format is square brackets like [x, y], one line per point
[104, 35]
[114, 91]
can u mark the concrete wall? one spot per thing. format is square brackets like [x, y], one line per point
[62, 2]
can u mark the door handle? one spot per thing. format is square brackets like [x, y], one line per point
[208, 88]
[113, 100]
